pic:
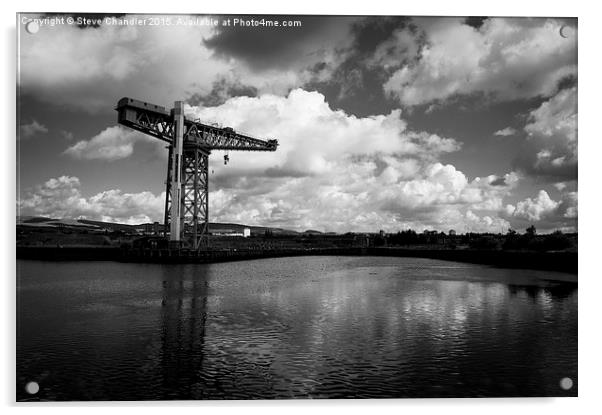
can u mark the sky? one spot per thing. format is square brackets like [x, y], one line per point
[464, 123]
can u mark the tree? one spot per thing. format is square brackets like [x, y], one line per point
[512, 240]
[557, 241]
[485, 242]
[531, 231]
[379, 240]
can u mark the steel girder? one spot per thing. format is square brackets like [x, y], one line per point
[194, 221]
[159, 123]
[195, 195]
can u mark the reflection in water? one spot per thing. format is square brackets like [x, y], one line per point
[183, 319]
[331, 327]
[556, 290]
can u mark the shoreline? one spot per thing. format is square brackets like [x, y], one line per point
[545, 261]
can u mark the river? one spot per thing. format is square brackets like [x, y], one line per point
[302, 327]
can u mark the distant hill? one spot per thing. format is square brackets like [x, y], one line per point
[32, 219]
[312, 232]
[39, 221]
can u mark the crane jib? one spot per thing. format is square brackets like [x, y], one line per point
[156, 121]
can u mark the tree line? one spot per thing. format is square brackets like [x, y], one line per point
[512, 240]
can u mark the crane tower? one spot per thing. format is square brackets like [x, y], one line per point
[189, 144]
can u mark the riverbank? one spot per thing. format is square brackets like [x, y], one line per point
[548, 261]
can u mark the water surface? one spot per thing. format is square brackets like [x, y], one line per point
[304, 327]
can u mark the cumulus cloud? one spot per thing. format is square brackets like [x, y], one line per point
[570, 205]
[31, 129]
[505, 132]
[551, 148]
[533, 209]
[113, 143]
[488, 193]
[61, 197]
[338, 172]
[546, 213]
[313, 137]
[505, 59]
[485, 223]
[554, 126]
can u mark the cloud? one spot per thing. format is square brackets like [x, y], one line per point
[161, 64]
[65, 65]
[350, 81]
[475, 223]
[313, 137]
[506, 132]
[504, 59]
[551, 147]
[338, 172]
[570, 205]
[61, 197]
[509, 179]
[546, 213]
[67, 135]
[31, 129]
[222, 89]
[320, 40]
[533, 209]
[113, 143]
[399, 49]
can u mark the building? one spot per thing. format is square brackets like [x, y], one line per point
[245, 233]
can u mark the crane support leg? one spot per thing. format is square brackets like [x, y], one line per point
[188, 222]
[195, 189]
[167, 210]
[175, 229]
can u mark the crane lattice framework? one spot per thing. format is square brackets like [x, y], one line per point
[189, 143]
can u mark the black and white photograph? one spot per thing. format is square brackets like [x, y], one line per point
[301, 206]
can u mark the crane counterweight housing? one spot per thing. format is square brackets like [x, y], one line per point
[190, 144]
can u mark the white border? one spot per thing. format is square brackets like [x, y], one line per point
[589, 200]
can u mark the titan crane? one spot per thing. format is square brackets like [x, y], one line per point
[189, 143]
